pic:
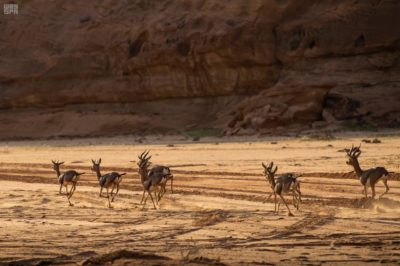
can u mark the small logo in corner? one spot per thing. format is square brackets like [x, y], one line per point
[10, 9]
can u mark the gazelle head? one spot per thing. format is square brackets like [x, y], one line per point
[353, 154]
[144, 161]
[96, 165]
[56, 165]
[269, 172]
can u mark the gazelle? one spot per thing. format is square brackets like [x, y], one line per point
[166, 172]
[368, 177]
[152, 179]
[70, 177]
[283, 184]
[110, 180]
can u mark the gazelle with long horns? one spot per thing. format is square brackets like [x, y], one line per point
[368, 177]
[152, 179]
[283, 184]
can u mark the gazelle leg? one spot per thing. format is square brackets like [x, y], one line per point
[70, 204]
[74, 187]
[115, 193]
[162, 191]
[294, 199]
[145, 200]
[60, 188]
[298, 199]
[172, 182]
[373, 191]
[108, 198]
[151, 197]
[156, 194]
[299, 192]
[384, 180]
[68, 196]
[107, 192]
[144, 191]
[71, 191]
[101, 191]
[159, 194]
[365, 191]
[290, 213]
[275, 201]
[112, 190]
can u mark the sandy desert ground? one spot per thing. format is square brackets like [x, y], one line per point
[216, 214]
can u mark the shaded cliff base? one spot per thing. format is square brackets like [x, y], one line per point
[95, 120]
[267, 114]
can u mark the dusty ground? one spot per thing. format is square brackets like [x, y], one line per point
[215, 215]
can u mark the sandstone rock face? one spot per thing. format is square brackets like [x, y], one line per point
[266, 66]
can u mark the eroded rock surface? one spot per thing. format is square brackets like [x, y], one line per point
[263, 66]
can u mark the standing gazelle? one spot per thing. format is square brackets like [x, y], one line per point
[283, 184]
[368, 177]
[107, 181]
[70, 177]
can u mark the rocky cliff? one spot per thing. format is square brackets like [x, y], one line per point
[87, 68]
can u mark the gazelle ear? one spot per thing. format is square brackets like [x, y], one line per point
[93, 161]
[99, 160]
[276, 169]
[53, 162]
[265, 167]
